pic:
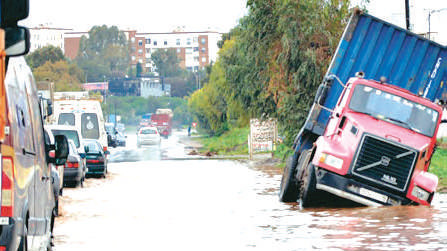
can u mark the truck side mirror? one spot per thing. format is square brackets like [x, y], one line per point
[13, 11]
[321, 95]
[86, 149]
[61, 148]
[17, 41]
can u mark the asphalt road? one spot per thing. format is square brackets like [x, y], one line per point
[156, 198]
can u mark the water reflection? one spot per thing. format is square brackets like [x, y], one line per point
[360, 228]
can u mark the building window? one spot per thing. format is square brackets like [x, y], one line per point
[188, 50]
[147, 50]
[165, 42]
[203, 59]
[132, 49]
[203, 40]
[195, 39]
[196, 68]
[140, 61]
[179, 50]
[140, 51]
[132, 39]
[155, 43]
[140, 42]
[188, 41]
[148, 41]
[196, 59]
[177, 41]
[203, 49]
[133, 58]
[196, 49]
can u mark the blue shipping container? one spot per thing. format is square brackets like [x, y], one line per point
[380, 49]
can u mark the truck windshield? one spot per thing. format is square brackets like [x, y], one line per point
[394, 109]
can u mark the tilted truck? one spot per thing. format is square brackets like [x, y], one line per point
[371, 132]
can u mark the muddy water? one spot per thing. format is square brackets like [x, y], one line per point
[227, 205]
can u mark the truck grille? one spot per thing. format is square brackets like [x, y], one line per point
[384, 162]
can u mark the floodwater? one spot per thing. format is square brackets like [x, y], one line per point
[152, 200]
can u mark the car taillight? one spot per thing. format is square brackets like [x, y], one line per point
[71, 164]
[7, 187]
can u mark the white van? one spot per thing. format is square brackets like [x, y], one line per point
[85, 115]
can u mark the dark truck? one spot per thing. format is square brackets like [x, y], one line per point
[371, 132]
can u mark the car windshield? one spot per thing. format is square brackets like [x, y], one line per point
[404, 112]
[148, 131]
[93, 147]
[66, 119]
[70, 134]
[89, 126]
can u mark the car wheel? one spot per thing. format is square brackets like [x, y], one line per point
[81, 182]
[288, 190]
[308, 191]
[61, 191]
[23, 246]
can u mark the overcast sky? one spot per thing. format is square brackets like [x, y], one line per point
[144, 15]
[219, 15]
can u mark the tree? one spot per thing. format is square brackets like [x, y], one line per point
[139, 69]
[104, 54]
[45, 54]
[66, 76]
[166, 62]
[271, 64]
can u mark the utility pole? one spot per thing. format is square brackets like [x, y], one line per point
[407, 13]
[430, 12]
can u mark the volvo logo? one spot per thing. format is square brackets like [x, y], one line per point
[385, 161]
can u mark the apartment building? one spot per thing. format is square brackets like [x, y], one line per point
[44, 35]
[194, 49]
[72, 41]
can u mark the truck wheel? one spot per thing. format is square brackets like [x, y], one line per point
[308, 189]
[288, 190]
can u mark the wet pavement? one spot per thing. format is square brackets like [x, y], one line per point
[158, 198]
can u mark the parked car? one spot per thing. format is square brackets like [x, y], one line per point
[96, 158]
[148, 136]
[74, 171]
[111, 134]
[58, 184]
[120, 138]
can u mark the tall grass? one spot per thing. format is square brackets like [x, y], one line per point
[439, 166]
[231, 142]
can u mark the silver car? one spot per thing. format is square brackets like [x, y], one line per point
[148, 136]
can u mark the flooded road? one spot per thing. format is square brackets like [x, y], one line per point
[154, 202]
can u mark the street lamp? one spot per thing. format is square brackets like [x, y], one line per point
[430, 12]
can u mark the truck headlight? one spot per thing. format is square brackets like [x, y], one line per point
[331, 160]
[420, 193]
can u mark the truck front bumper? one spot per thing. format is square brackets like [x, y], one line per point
[355, 191]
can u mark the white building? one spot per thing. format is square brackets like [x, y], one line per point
[151, 87]
[42, 36]
[194, 49]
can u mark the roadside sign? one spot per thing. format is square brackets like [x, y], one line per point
[263, 136]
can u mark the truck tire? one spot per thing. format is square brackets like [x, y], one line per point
[308, 191]
[288, 190]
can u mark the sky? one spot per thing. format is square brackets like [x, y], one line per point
[143, 15]
[393, 11]
[201, 15]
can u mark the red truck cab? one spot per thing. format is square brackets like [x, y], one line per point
[377, 146]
